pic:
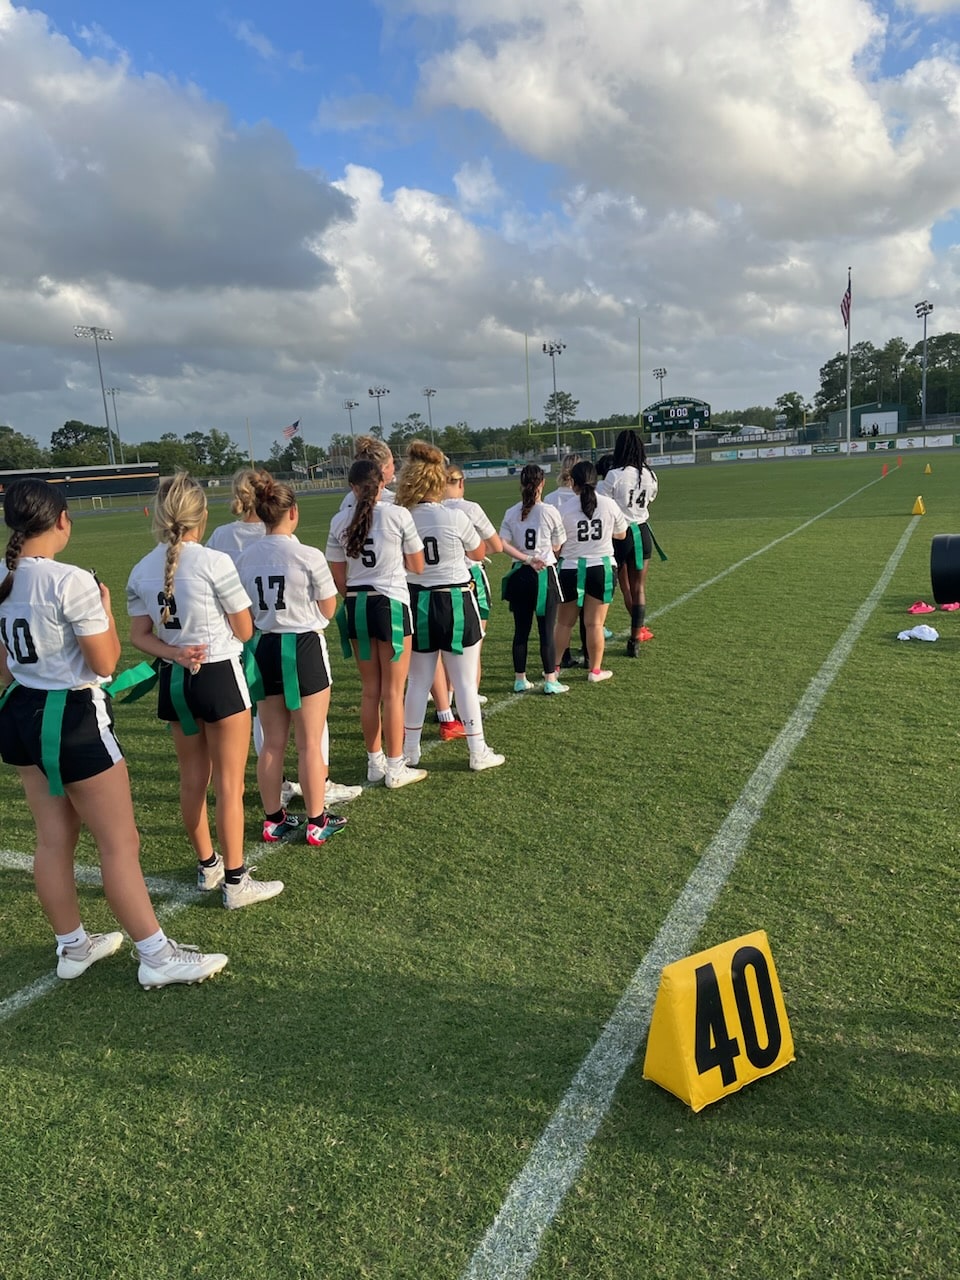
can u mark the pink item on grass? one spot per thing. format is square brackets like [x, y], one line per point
[949, 608]
[921, 607]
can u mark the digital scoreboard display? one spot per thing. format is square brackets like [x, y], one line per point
[677, 414]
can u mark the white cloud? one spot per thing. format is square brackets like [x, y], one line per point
[477, 186]
[715, 169]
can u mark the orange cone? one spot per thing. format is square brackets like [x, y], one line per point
[899, 461]
[884, 470]
[146, 511]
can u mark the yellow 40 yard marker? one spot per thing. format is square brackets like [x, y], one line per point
[719, 1022]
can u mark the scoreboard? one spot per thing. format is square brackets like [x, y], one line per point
[678, 414]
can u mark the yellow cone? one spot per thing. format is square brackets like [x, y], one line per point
[928, 470]
[918, 508]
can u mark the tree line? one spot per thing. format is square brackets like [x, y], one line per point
[889, 374]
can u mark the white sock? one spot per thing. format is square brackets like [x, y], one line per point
[446, 717]
[150, 948]
[394, 762]
[373, 757]
[412, 739]
[75, 939]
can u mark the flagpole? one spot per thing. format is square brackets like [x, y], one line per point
[306, 464]
[250, 443]
[849, 326]
[526, 357]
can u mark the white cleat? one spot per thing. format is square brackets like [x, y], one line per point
[72, 961]
[487, 760]
[210, 878]
[403, 776]
[249, 891]
[335, 794]
[377, 768]
[289, 791]
[178, 963]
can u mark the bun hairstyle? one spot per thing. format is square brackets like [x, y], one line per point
[423, 476]
[244, 490]
[566, 469]
[364, 478]
[373, 450]
[179, 507]
[271, 498]
[531, 478]
[629, 451]
[584, 477]
[30, 507]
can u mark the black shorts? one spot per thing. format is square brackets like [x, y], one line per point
[88, 744]
[435, 620]
[313, 670]
[596, 584]
[522, 586]
[624, 549]
[379, 615]
[217, 691]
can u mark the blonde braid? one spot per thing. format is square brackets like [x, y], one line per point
[180, 507]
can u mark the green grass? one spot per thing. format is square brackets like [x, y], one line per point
[355, 1094]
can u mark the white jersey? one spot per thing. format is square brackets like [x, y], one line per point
[447, 534]
[236, 537]
[561, 498]
[590, 538]
[631, 492]
[205, 589]
[350, 499]
[380, 563]
[538, 534]
[49, 605]
[478, 518]
[285, 579]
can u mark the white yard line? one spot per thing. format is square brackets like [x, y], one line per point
[512, 1242]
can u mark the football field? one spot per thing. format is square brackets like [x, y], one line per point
[425, 1058]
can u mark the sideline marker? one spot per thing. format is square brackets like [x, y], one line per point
[928, 470]
[918, 508]
[719, 1022]
[899, 461]
[883, 470]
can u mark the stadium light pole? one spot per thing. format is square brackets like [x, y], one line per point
[99, 335]
[923, 309]
[378, 393]
[113, 392]
[553, 349]
[660, 374]
[429, 393]
[350, 405]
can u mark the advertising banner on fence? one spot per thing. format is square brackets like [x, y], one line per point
[910, 442]
[744, 454]
[826, 448]
[723, 455]
[772, 453]
[681, 459]
[799, 450]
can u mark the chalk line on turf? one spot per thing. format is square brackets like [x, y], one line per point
[512, 1242]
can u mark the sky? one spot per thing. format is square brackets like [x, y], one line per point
[276, 207]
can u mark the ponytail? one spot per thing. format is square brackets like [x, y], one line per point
[584, 477]
[365, 478]
[531, 478]
[271, 498]
[179, 508]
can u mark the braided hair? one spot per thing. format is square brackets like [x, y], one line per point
[30, 507]
[179, 507]
[364, 478]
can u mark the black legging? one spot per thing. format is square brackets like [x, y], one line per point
[523, 605]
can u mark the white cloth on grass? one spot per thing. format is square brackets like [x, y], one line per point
[921, 632]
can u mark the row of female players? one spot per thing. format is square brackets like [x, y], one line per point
[401, 565]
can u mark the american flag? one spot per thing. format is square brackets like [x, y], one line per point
[291, 431]
[845, 302]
